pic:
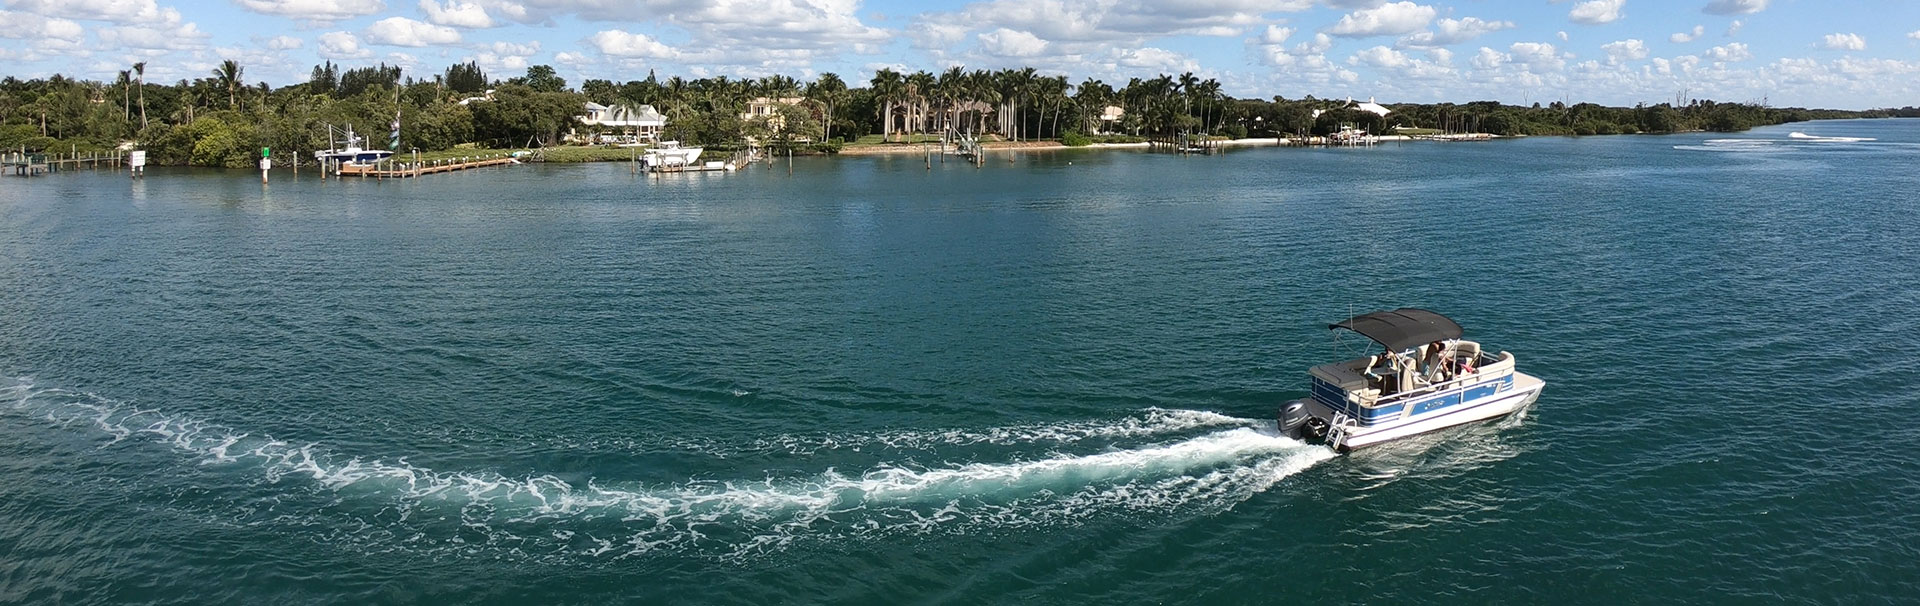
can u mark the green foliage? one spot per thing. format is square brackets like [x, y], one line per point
[359, 80]
[465, 78]
[542, 78]
[1074, 139]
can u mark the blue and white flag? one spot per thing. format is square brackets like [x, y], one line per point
[393, 139]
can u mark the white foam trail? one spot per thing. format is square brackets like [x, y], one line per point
[1820, 139]
[742, 517]
[1154, 421]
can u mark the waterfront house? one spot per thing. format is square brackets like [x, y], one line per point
[629, 124]
[1367, 106]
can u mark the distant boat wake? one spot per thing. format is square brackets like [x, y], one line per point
[1174, 460]
[1806, 137]
[1795, 141]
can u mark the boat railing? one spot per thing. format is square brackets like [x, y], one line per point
[1488, 367]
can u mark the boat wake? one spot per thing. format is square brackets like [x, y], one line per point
[1795, 141]
[1806, 137]
[389, 505]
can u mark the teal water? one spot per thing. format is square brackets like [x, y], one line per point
[1049, 380]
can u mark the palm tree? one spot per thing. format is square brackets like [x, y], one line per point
[228, 74]
[888, 87]
[828, 90]
[1093, 96]
[919, 91]
[141, 69]
[126, 94]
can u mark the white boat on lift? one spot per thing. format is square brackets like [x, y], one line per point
[1427, 378]
[670, 155]
[350, 158]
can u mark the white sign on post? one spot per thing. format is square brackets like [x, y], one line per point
[137, 158]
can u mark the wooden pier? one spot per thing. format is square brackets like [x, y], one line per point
[401, 170]
[1184, 144]
[26, 164]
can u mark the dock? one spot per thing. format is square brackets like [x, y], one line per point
[25, 164]
[401, 170]
[1184, 144]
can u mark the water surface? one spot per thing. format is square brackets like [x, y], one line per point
[1048, 379]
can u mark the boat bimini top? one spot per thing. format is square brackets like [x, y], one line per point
[1402, 329]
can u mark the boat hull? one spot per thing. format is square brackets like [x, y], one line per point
[1525, 390]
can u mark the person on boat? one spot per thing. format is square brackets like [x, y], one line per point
[1378, 367]
[1435, 362]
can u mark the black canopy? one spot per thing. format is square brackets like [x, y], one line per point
[1402, 328]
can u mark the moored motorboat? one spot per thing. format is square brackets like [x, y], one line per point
[1426, 378]
[669, 155]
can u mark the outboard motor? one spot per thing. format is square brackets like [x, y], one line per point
[1315, 430]
[1293, 419]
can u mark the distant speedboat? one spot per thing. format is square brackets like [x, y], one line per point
[1427, 378]
[670, 154]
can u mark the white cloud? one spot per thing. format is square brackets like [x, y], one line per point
[1596, 12]
[1622, 51]
[401, 31]
[1455, 31]
[1562, 34]
[179, 37]
[130, 12]
[936, 35]
[1004, 42]
[1275, 34]
[1734, 7]
[314, 10]
[457, 14]
[342, 45]
[515, 49]
[1488, 58]
[1730, 53]
[1734, 28]
[619, 43]
[1685, 37]
[1851, 42]
[1157, 59]
[1537, 56]
[1386, 20]
[27, 26]
[283, 43]
[1381, 56]
[1915, 34]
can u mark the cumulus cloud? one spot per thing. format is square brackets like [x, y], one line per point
[314, 10]
[28, 26]
[620, 43]
[1622, 51]
[342, 45]
[457, 14]
[1156, 59]
[1685, 37]
[1734, 7]
[1004, 42]
[1849, 42]
[130, 12]
[1734, 28]
[1455, 31]
[1596, 12]
[401, 31]
[1537, 56]
[1915, 34]
[283, 43]
[1488, 59]
[1730, 53]
[161, 37]
[1394, 19]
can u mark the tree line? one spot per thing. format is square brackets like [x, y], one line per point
[220, 120]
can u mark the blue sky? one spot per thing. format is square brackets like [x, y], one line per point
[1846, 54]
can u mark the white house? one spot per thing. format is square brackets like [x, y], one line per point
[1368, 106]
[642, 123]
